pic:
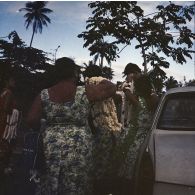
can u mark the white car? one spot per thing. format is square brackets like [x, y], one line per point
[166, 164]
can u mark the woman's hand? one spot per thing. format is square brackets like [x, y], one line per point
[125, 86]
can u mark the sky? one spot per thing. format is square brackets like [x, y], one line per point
[68, 19]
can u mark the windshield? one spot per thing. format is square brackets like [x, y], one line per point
[178, 112]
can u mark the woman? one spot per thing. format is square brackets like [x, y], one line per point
[142, 102]
[8, 124]
[7, 103]
[141, 123]
[106, 129]
[67, 138]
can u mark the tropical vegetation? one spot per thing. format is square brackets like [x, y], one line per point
[36, 15]
[159, 36]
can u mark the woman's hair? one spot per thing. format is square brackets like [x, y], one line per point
[143, 86]
[92, 71]
[131, 68]
[66, 68]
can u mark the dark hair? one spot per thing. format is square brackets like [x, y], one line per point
[131, 68]
[92, 71]
[143, 86]
[66, 68]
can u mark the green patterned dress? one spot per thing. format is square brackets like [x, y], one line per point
[67, 146]
[130, 143]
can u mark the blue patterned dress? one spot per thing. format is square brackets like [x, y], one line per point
[67, 146]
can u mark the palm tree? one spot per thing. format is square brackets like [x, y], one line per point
[36, 16]
[171, 83]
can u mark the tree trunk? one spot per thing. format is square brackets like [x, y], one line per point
[32, 37]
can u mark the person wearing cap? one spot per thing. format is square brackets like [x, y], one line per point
[138, 85]
[67, 139]
[132, 73]
[141, 100]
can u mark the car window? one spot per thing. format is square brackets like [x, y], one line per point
[178, 112]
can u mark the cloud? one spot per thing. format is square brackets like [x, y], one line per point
[12, 7]
[148, 6]
[66, 12]
[82, 60]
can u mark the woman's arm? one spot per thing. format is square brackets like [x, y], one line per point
[34, 115]
[101, 91]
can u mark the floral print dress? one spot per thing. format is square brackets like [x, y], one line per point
[67, 145]
[137, 131]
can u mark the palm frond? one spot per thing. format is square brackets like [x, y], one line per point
[36, 15]
[46, 10]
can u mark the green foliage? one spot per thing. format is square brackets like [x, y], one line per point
[16, 40]
[171, 83]
[156, 61]
[25, 62]
[124, 21]
[16, 53]
[106, 71]
[157, 77]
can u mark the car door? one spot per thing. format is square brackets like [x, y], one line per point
[174, 140]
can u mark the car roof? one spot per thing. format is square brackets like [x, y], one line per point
[180, 90]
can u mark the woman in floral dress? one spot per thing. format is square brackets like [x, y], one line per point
[144, 103]
[67, 138]
[106, 130]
